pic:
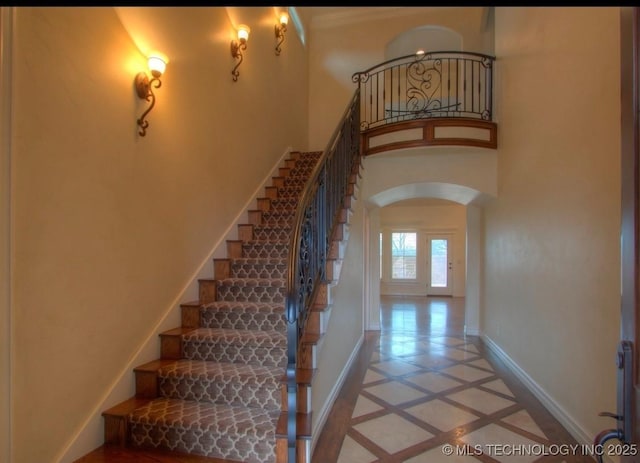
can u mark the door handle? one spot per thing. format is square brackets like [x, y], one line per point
[624, 362]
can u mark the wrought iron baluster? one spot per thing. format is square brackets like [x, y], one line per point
[315, 220]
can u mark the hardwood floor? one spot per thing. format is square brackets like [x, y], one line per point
[420, 385]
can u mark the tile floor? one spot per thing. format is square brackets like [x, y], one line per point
[427, 389]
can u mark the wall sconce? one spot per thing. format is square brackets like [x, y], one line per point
[238, 46]
[281, 28]
[144, 87]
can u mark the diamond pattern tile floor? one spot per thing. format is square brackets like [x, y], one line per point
[423, 385]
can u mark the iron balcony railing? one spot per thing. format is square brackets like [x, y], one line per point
[316, 218]
[447, 84]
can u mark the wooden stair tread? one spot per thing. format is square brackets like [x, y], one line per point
[125, 407]
[153, 365]
[179, 331]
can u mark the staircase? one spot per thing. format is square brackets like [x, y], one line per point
[219, 387]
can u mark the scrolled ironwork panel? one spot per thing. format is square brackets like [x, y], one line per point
[437, 84]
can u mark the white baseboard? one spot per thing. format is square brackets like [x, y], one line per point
[567, 421]
[471, 331]
[324, 412]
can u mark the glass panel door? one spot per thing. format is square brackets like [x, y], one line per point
[440, 266]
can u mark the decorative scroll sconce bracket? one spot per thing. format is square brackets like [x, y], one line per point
[237, 47]
[280, 29]
[144, 88]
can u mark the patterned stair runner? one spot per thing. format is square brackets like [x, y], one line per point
[222, 399]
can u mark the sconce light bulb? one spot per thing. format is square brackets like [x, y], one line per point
[157, 65]
[243, 33]
[284, 19]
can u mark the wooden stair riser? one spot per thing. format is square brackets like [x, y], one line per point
[303, 450]
[254, 216]
[170, 346]
[321, 299]
[318, 320]
[245, 232]
[234, 249]
[207, 290]
[264, 204]
[307, 357]
[284, 171]
[221, 269]
[303, 404]
[190, 314]
[116, 426]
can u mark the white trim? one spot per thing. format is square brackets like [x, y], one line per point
[324, 412]
[565, 419]
[90, 433]
[472, 331]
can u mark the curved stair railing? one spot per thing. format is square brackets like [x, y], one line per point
[427, 99]
[449, 84]
[316, 217]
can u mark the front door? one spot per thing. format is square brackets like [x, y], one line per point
[439, 266]
[629, 389]
[622, 431]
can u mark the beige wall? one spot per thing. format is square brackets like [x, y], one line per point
[450, 220]
[552, 294]
[341, 45]
[108, 226]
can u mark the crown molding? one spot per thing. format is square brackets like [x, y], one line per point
[329, 17]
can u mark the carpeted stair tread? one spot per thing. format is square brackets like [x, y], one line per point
[277, 282]
[284, 204]
[218, 382]
[271, 232]
[252, 289]
[259, 268]
[268, 348]
[266, 249]
[243, 315]
[238, 337]
[214, 430]
[278, 217]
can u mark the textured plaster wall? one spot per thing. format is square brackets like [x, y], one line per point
[552, 236]
[109, 227]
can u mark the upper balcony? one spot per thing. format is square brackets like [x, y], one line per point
[427, 99]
